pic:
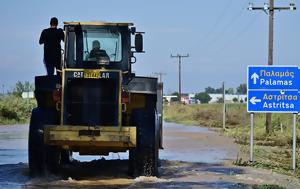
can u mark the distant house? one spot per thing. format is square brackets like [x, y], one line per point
[192, 99]
[168, 98]
[185, 98]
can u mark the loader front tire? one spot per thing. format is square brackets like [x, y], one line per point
[143, 160]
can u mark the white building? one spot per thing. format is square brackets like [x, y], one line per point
[29, 94]
[190, 98]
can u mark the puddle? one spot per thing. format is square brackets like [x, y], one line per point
[12, 156]
[111, 156]
[179, 128]
[223, 170]
[194, 144]
[206, 156]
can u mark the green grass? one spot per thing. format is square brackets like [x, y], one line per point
[14, 109]
[272, 151]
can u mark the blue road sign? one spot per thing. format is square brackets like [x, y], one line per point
[273, 101]
[273, 89]
[273, 77]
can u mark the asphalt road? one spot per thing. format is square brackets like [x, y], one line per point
[193, 157]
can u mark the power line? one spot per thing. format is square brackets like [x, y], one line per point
[217, 21]
[160, 74]
[226, 27]
[236, 37]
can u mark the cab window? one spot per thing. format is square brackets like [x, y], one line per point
[98, 43]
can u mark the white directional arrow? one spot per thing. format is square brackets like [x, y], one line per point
[253, 100]
[254, 77]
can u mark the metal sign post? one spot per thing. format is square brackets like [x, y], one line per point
[294, 141]
[224, 106]
[251, 136]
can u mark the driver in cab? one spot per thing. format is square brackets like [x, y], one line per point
[97, 52]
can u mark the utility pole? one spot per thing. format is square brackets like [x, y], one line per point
[270, 9]
[224, 107]
[160, 74]
[179, 71]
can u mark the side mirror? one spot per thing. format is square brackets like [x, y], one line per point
[138, 42]
[132, 30]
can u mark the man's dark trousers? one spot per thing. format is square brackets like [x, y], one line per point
[49, 68]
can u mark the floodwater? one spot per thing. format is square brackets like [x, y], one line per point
[13, 144]
[193, 157]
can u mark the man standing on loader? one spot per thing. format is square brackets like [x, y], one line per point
[51, 39]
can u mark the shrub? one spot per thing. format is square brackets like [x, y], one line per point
[14, 109]
[203, 97]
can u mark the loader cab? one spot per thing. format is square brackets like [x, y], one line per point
[96, 45]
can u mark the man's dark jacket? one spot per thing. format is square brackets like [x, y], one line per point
[51, 38]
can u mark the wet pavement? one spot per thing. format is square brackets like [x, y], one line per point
[193, 157]
[196, 144]
[13, 144]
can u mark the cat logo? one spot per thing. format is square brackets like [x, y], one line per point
[78, 74]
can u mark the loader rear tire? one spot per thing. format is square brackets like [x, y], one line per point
[35, 145]
[42, 158]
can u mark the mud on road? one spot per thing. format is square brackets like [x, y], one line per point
[193, 157]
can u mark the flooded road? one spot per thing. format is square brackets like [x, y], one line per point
[193, 157]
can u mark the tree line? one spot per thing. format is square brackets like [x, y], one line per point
[21, 87]
[204, 97]
[241, 89]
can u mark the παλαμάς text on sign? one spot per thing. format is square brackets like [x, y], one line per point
[273, 77]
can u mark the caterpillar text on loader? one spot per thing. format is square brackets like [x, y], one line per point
[96, 105]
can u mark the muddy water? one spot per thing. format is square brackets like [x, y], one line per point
[13, 156]
[193, 157]
[196, 144]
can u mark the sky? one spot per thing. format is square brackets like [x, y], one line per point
[222, 37]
